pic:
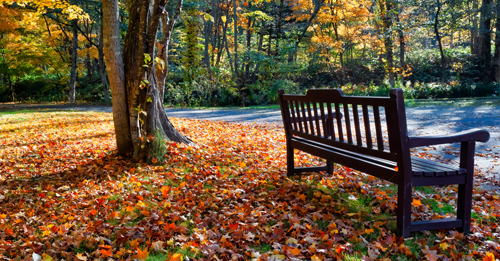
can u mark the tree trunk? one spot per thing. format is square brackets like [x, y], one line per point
[341, 55]
[386, 9]
[249, 42]
[74, 55]
[235, 21]
[114, 63]
[102, 68]
[451, 40]
[401, 46]
[438, 38]
[496, 64]
[485, 38]
[474, 34]
[208, 31]
[143, 83]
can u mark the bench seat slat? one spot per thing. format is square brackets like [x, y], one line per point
[420, 167]
[342, 145]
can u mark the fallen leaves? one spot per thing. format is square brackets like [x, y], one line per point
[65, 194]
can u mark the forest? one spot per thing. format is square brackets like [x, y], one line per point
[240, 52]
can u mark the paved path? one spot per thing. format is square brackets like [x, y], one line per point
[429, 120]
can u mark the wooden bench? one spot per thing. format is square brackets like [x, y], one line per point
[360, 139]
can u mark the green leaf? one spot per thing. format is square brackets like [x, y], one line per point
[149, 99]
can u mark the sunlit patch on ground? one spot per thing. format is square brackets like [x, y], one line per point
[64, 194]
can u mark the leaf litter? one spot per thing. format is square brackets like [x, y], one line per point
[65, 194]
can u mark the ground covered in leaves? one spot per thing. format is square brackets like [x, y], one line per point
[66, 195]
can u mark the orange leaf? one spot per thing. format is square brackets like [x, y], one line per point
[142, 254]
[294, 251]
[416, 203]
[155, 160]
[396, 168]
[489, 257]
[106, 252]
[369, 231]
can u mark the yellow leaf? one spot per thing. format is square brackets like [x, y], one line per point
[444, 246]
[176, 257]
[46, 257]
[81, 257]
[46, 233]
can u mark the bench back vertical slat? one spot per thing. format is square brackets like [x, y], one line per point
[311, 120]
[293, 119]
[378, 128]
[304, 117]
[347, 123]
[366, 118]
[339, 122]
[331, 130]
[316, 119]
[359, 140]
[391, 129]
[323, 120]
[299, 119]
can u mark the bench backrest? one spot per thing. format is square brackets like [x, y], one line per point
[348, 122]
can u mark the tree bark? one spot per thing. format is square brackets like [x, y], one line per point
[386, 7]
[438, 38]
[74, 56]
[474, 29]
[485, 38]
[401, 45]
[496, 58]
[114, 62]
[102, 67]
[235, 21]
[208, 31]
[144, 88]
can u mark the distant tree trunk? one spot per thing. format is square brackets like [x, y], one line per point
[386, 8]
[438, 38]
[208, 31]
[279, 25]
[235, 20]
[474, 28]
[102, 67]
[401, 45]
[114, 64]
[74, 56]
[485, 38]
[259, 49]
[341, 55]
[249, 41]
[496, 65]
[451, 40]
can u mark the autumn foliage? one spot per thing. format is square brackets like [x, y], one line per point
[66, 195]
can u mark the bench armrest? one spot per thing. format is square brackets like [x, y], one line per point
[470, 135]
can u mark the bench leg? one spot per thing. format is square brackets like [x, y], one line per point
[289, 161]
[329, 166]
[464, 201]
[464, 206]
[404, 209]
